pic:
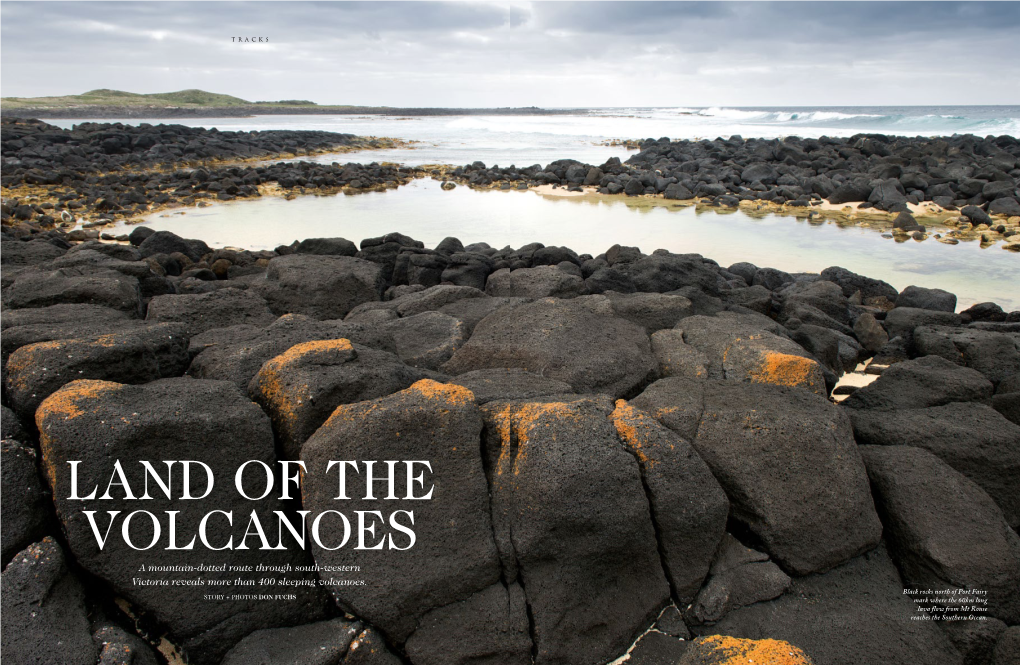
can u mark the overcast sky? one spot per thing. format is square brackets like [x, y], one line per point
[523, 53]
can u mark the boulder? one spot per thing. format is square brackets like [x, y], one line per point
[652, 311]
[922, 298]
[426, 340]
[211, 422]
[579, 341]
[487, 628]
[919, 383]
[45, 620]
[538, 282]
[77, 314]
[205, 311]
[134, 355]
[662, 272]
[972, 438]
[944, 532]
[27, 511]
[854, 614]
[740, 576]
[470, 311]
[42, 289]
[236, 354]
[326, 247]
[675, 357]
[744, 348]
[901, 321]
[689, 508]
[301, 387]
[1007, 649]
[320, 643]
[850, 283]
[774, 450]
[322, 287]
[453, 553]
[870, 333]
[994, 354]
[165, 242]
[572, 523]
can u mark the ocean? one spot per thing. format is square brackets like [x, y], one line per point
[526, 140]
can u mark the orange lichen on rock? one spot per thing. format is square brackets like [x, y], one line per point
[518, 421]
[726, 650]
[283, 398]
[783, 369]
[447, 392]
[632, 426]
[67, 403]
[19, 364]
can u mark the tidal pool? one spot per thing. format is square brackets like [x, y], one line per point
[592, 224]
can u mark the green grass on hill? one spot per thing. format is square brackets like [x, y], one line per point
[105, 97]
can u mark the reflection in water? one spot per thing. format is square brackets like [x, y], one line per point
[593, 224]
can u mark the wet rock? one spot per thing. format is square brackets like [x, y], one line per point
[180, 419]
[921, 298]
[689, 508]
[579, 341]
[45, 620]
[321, 643]
[861, 602]
[488, 628]
[323, 287]
[218, 309]
[27, 509]
[136, 355]
[944, 531]
[555, 453]
[920, 383]
[301, 387]
[975, 215]
[453, 554]
[972, 438]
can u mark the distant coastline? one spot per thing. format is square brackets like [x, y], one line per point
[107, 104]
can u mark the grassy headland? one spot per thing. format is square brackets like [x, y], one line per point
[104, 103]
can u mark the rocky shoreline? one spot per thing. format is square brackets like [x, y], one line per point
[963, 187]
[637, 456]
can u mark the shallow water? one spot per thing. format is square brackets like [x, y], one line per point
[593, 224]
[527, 140]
